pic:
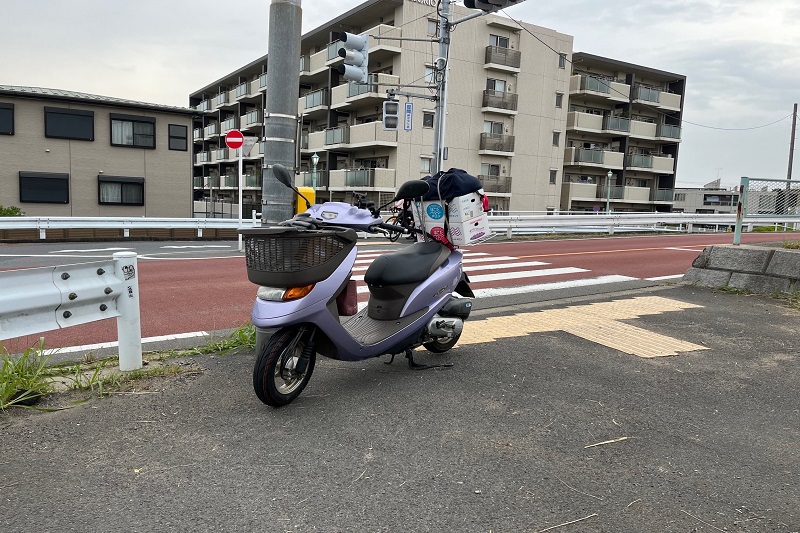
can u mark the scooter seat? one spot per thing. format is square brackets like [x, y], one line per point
[412, 264]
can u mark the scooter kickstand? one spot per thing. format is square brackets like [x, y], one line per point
[416, 366]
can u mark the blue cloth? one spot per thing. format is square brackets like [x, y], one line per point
[451, 184]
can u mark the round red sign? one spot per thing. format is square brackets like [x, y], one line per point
[234, 139]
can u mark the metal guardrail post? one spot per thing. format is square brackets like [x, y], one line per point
[129, 327]
[740, 209]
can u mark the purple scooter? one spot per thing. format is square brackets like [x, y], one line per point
[303, 268]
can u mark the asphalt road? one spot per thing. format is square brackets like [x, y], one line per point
[533, 431]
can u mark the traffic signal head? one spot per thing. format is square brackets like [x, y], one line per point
[355, 53]
[490, 6]
[391, 115]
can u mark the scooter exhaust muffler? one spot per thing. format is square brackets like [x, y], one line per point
[445, 327]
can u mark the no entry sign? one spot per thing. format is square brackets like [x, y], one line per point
[234, 139]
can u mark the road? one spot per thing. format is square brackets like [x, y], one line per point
[188, 288]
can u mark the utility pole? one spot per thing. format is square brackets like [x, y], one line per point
[280, 111]
[791, 145]
[441, 67]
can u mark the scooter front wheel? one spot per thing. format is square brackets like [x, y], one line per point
[278, 376]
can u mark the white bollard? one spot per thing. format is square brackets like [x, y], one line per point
[129, 326]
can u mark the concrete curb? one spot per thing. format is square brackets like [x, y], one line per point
[757, 269]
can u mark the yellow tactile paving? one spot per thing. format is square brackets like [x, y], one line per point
[597, 322]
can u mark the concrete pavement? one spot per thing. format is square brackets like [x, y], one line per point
[551, 425]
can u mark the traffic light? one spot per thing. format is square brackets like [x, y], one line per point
[490, 5]
[355, 54]
[391, 115]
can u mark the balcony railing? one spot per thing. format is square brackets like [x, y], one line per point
[197, 133]
[338, 135]
[670, 131]
[497, 142]
[333, 50]
[354, 89]
[262, 81]
[588, 155]
[205, 105]
[252, 180]
[221, 98]
[223, 153]
[212, 182]
[640, 161]
[363, 177]
[502, 56]
[212, 129]
[496, 184]
[617, 124]
[229, 124]
[197, 181]
[252, 117]
[500, 100]
[229, 180]
[241, 90]
[316, 98]
[648, 94]
[305, 61]
[664, 195]
[590, 83]
[307, 178]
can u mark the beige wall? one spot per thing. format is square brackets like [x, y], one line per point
[167, 173]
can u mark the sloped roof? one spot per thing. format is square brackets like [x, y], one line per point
[74, 96]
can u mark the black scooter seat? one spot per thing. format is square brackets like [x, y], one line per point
[412, 264]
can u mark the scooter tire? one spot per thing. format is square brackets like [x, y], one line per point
[441, 346]
[274, 379]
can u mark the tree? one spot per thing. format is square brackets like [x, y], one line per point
[12, 211]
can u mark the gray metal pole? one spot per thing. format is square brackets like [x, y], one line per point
[441, 89]
[791, 144]
[280, 112]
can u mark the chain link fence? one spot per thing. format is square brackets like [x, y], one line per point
[775, 201]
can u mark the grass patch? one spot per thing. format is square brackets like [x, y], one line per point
[27, 378]
[24, 380]
[791, 245]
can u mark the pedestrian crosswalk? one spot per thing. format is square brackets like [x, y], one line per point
[498, 275]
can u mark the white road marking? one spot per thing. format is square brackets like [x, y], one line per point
[88, 347]
[526, 274]
[200, 246]
[661, 278]
[684, 249]
[540, 287]
[89, 250]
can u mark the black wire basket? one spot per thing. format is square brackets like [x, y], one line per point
[293, 257]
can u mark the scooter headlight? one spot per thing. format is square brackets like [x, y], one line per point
[281, 294]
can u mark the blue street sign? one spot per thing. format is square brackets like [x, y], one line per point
[409, 112]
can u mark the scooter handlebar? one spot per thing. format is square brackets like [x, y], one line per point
[389, 227]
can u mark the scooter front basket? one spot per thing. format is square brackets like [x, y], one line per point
[293, 257]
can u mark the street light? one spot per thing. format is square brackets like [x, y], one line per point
[314, 161]
[608, 191]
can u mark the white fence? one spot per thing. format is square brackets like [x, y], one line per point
[44, 299]
[500, 224]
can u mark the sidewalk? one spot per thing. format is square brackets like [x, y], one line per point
[546, 426]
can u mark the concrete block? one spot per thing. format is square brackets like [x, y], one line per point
[759, 284]
[785, 263]
[748, 259]
[701, 261]
[707, 278]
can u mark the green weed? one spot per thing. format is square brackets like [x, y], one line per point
[24, 379]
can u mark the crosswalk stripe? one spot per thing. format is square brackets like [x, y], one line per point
[526, 274]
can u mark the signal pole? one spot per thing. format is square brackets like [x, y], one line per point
[791, 144]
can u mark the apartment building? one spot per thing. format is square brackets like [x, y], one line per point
[623, 133]
[67, 153]
[541, 128]
[709, 199]
[503, 109]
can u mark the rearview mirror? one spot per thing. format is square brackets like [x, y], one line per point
[411, 189]
[282, 174]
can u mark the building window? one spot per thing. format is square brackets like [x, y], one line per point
[136, 131]
[562, 60]
[75, 124]
[433, 27]
[495, 85]
[553, 175]
[427, 119]
[119, 190]
[559, 100]
[429, 74]
[493, 127]
[489, 169]
[500, 42]
[680, 197]
[178, 136]
[556, 138]
[43, 187]
[425, 165]
[6, 119]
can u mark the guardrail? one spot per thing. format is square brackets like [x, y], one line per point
[42, 299]
[507, 223]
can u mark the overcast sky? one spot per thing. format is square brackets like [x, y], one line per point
[741, 58]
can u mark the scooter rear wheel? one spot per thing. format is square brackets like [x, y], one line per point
[275, 378]
[442, 345]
